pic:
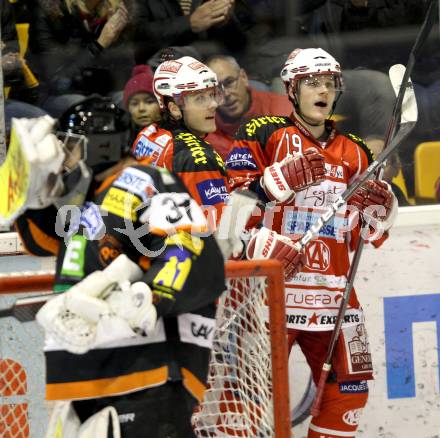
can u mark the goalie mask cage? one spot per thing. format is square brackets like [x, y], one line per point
[247, 393]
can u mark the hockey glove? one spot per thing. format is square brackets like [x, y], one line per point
[294, 173]
[134, 304]
[267, 244]
[376, 204]
[82, 319]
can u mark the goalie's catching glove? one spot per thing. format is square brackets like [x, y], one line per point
[376, 204]
[294, 173]
[267, 244]
[100, 309]
[134, 304]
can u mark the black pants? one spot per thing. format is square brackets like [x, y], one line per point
[161, 412]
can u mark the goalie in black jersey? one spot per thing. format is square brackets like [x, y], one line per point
[128, 340]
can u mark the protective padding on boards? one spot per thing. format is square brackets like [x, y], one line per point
[23, 412]
[14, 416]
[426, 169]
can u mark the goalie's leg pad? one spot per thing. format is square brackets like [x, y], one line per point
[63, 421]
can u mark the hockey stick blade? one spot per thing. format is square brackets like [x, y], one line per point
[25, 309]
[409, 111]
[234, 218]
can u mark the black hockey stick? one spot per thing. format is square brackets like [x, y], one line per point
[406, 120]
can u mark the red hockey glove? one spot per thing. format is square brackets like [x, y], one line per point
[376, 203]
[267, 244]
[293, 174]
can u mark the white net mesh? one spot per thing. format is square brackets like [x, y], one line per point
[238, 401]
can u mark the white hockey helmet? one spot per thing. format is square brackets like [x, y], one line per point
[309, 62]
[175, 78]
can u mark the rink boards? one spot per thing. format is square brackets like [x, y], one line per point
[399, 287]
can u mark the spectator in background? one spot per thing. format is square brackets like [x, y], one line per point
[139, 100]
[181, 22]
[78, 46]
[19, 95]
[242, 102]
[354, 15]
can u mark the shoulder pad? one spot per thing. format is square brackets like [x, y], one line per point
[361, 143]
[201, 153]
[261, 128]
[139, 180]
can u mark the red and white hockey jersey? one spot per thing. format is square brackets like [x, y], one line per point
[313, 296]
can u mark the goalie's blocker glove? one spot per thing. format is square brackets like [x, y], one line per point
[267, 244]
[294, 173]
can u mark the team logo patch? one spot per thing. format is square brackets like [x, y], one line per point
[170, 66]
[196, 65]
[318, 255]
[146, 148]
[92, 221]
[109, 249]
[121, 203]
[241, 159]
[334, 171]
[298, 222]
[359, 353]
[357, 387]
[352, 417]
[212, 191]
[137, 182]
[186, 240]
[196, 329]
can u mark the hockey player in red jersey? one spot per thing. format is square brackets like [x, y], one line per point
[303, 164]
[188, 95]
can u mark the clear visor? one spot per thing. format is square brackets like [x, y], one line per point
[202, 99]
[330, 81]
[75, 148]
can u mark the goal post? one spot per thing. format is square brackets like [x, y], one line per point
[248, 391]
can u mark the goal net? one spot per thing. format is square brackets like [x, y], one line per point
[247, 393]
[22, 409]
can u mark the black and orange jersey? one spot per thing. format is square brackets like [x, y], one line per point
[37, 231]
[193, 159]
[175, 264]
[313, 296]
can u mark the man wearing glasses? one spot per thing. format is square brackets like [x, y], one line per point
[241, 103]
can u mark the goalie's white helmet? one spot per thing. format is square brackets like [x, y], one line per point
[175, 78]
[309, 62]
